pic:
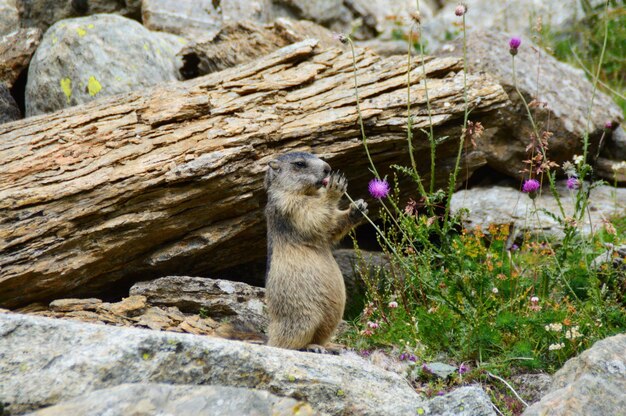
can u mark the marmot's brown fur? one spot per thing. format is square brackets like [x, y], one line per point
[305, 291]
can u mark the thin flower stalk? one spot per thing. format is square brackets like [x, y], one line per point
[431, 133]
[455, 172]
[358, 109]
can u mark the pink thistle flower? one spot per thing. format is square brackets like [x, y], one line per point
[379, 188]
[514, 44]
[573, 183]
[534, 299]
[460, 10]
[531, 186]
[393, 304]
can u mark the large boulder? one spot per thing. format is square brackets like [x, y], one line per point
[591, 384]
[45, 13]
[85, 58]
[46, 361]
[562, 95]
[507, 205]
[152, 398]
[512, 16]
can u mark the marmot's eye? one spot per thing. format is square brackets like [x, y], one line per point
[300, 164]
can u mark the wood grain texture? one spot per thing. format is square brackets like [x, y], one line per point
[169, 180]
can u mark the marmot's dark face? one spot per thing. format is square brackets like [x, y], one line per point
[297, 172]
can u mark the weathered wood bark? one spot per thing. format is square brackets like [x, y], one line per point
[170, 180]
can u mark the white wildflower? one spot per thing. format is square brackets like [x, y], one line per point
[554, 347]
[556, 327]
[573, 333]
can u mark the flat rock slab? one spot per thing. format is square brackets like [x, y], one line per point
[240, 302]
[165, 399]
[506, 205]
[46, 361]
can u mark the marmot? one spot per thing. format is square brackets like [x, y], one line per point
[305, 291]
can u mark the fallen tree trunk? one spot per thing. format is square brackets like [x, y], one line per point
[170, 180]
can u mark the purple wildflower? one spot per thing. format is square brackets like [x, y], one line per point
[573, 183]
[379, 188]
[463, 368]
[426, 369]
[412, 358]
[514, 247]
[441, 393]
[531, 186]
[460, 10]
[514, 44]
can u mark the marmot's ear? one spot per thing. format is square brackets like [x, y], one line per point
[274, 165]
[273, 168]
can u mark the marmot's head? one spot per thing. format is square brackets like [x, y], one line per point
[299, 172]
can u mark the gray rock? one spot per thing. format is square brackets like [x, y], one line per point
[242, 304]
[46, 361]
[505, 205]
[165, 399]
[82, 59]
[253, 10]
[45, 13]
[465, 401]
[190, 19]
[9, 17]
[441, 370]
[387, 19]
[564, 90]
[591, 384]
[513, 16]
[354, 264]
[319, 11]
[532, 387]
[8, 107]
[16, 50]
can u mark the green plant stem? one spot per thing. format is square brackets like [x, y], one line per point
[457, 164]
[358, 109]
[431, 133]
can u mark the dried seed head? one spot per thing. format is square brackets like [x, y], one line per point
[416, 17]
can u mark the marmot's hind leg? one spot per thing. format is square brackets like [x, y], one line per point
[285, 334]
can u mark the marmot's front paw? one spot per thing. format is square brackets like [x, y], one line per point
[337, 184]
[358, 209]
